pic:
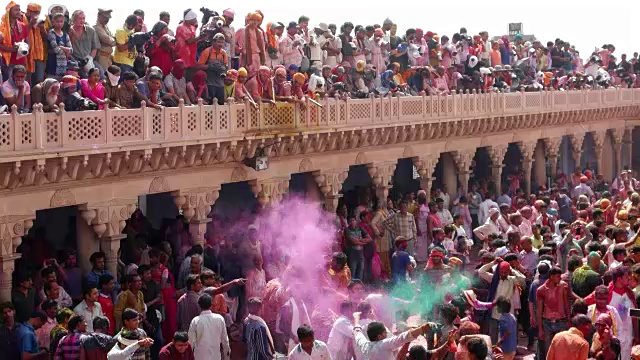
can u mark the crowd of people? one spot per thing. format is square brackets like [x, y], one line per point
[423, 276]
[56, 58]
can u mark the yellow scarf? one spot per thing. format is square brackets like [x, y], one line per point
[5, 29]
[36, 49]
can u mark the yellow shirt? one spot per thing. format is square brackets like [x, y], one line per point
[126, 57]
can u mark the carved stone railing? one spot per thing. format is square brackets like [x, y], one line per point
[23, 135]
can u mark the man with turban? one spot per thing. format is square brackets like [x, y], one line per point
[265, 85]
[229, 34]
[186, 41]
[13, 31]
[230, 85]
[251, 45]
[503, 280]
[37, 34]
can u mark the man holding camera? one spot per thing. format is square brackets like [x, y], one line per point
[124, 56]
[214, 61]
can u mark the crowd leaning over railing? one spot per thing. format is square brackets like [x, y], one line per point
[57, 59]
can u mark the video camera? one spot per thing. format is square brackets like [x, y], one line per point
[207, 14]
[137, 40]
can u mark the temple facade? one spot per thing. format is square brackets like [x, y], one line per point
[101, 162]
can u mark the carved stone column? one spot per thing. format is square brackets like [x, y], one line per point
[598, 139]
[527, 149]
[426, 166]
[463, 160]
[330, 184]
[108, 219]
[497, 153]
[12, 229]
[576, 147]
[618, 137]
[552, 146]
[196, 206]
[629, 142]
[270, 191]
[382, 175]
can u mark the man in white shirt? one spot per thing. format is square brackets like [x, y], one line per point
[379, 346]
[89, 308]
[489, 227]
[208, 333]
[483, 209]
[509, 277]
[443, 212]
[309, 348]
[341, 335]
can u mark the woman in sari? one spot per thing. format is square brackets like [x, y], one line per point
[93, 89]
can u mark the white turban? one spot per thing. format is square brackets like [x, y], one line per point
[190, 15]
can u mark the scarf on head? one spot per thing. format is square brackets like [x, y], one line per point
[495, 281]
[434, 252]
[5, 29]
[46, 86]
[611, 319]
[199, 83]
[36, 45]
[259, 38]
[178, 69]
[271, 37]
[580, 274]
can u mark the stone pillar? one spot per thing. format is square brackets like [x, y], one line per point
[629, 143]
[270, 191]
[12, 229]
[527, 150]
[540, 168]
[497, 153]
[426, 166]
[196, 206]
[618, 137]
[576, 141]
[382, 175]
[449, 172]
[598, 139]
[87, 242]
[108, 219]
[552, 146]
[330, 184]
[463, 160]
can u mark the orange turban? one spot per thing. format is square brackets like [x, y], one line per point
[254, 16]
[242, 72]
[604, 203]
[583, 179]
[34, 7]
[299, 78]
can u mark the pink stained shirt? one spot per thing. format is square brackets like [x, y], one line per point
[96, 94]
[290, 54]
[256, 283]
[186, 52]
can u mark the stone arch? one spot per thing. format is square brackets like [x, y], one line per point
[61, 198]
[239, 174]
[408, 152]
[159, 184]
[306, 165]
[361, 159]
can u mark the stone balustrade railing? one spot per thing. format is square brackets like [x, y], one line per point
[45, 133]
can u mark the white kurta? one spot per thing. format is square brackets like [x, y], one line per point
[622, 303]
[340, 339]
[206, 333]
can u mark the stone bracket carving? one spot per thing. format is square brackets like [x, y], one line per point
[270, 190]
[382, 172]
[12, 229]
[108, 219]
[196, 203]
[528, 150]
[463, 160]
[497, 153]
[618, 136]
[552, 146]
[576, 146]
[425, 166]
[330, 181]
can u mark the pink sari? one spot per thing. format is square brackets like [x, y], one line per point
[170, 323]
